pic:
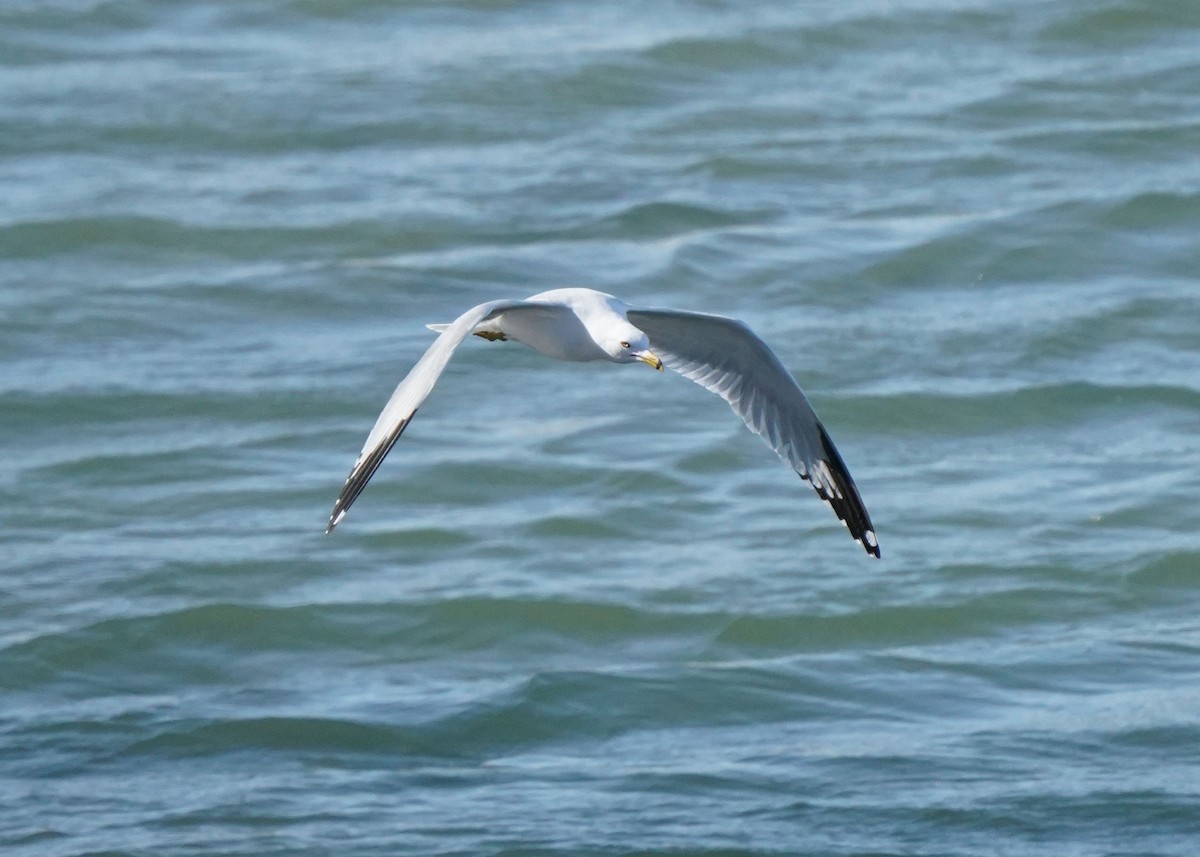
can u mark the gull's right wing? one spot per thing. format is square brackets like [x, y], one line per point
[412, 391]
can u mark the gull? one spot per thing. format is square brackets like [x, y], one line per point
[719, 353]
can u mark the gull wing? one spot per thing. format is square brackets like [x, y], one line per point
[723, 355]
[413, 390]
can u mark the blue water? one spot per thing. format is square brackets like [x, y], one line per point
[580, 610]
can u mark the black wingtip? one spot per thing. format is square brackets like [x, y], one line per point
[846, 504]
[361, 474]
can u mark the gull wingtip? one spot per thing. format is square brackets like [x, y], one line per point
[334, 520]
[871, 542]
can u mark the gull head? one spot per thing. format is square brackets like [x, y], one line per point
[633, 346]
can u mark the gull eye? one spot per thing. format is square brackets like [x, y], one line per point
[624, 344]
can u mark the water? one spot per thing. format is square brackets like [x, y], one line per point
[580, 610]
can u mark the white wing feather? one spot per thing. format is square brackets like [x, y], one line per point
[725, 356]
[408, 396]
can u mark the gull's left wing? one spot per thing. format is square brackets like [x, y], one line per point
[725, 356]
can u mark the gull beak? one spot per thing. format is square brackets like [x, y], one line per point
[649, 358]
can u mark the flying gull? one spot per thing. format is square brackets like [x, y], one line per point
[718, 353]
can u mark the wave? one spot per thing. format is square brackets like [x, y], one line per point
[971, 414]
[202, 643]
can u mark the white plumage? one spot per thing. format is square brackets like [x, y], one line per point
[721, 354]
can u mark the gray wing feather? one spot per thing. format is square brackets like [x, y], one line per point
[725, 356]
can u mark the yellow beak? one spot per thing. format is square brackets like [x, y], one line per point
[650, 359]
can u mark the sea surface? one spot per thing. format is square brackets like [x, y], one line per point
[581, 610]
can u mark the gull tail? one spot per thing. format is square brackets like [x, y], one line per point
[437, 328]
